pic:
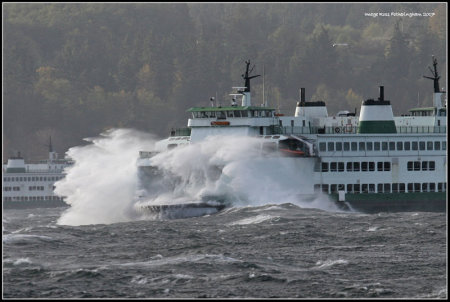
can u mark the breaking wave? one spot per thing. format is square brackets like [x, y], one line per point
[105, 185]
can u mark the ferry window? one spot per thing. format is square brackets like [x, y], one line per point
[324, 167]
[346, 146]
[431, 166]
[325, 188]
[244, 113]
[322, 147]
[221, 115]
[387, 166]
[362, 146]
[364, 166]
[424, 166]
[349, 188]
[394, 188]
[369, 146]
[415, 146]
[410, 166]
[402, 188]
[371, 166]
[333, 167]
[338, 146]
[340, 166]
[444, 145]
[437, 145]
[356, 166]
[429, 145]
[356, 188]
[341, 187]
[330, 146]
[230, 114]
[371, 188]
[349, 166]
[417, 166]
[384, 146]
[425, 187]
[432, 187]
[440, 187]
[364, 188]
[422, 145]
[392, 146]
[407, 146]
[416, 187]
[399, 146]
[387, 188]
[237, 113]
[379, 166]
[376, 146]
[354, 146]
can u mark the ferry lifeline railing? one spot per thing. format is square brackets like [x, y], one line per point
[350, 130]
[287, 130]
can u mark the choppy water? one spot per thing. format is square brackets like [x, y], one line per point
[281, 251]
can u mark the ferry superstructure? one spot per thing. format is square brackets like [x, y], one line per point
[371, 162]
[31, 185]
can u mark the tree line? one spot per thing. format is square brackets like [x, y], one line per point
[74, 70]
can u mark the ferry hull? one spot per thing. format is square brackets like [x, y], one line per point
[34, 204]
[401, 202]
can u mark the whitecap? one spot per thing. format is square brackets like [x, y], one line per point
[253, 220]
[329, 263]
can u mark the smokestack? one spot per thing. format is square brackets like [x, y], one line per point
[381, 98]
[302, 95]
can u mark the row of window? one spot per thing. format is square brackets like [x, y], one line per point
[355, 166]
[11, 188]
[32, 198]
[32, 188]
[421, 166]
[383, 146]
[382, 188]
[33, 178]
[370, 166]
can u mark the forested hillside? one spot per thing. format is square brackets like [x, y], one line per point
[73, 70]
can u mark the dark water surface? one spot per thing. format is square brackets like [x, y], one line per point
[272, 251]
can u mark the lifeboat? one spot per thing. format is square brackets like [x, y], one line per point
[220, 123]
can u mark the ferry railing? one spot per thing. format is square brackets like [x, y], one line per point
[422, 129]
[287, 130]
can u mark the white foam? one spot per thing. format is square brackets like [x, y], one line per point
[101, 186]
[330, 263]
[253, 220]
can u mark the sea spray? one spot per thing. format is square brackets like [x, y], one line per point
[232, 169]
[100, 186]
[105, 185]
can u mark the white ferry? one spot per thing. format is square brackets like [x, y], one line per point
[372, 162]
[31, 185]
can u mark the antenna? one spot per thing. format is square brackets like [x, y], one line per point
[435, 77]
[264, 76]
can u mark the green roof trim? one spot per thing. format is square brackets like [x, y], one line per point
[238, 108]
[423, 109]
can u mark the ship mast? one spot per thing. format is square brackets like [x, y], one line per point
[246, 101]
[435, 77]
[437, 99]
